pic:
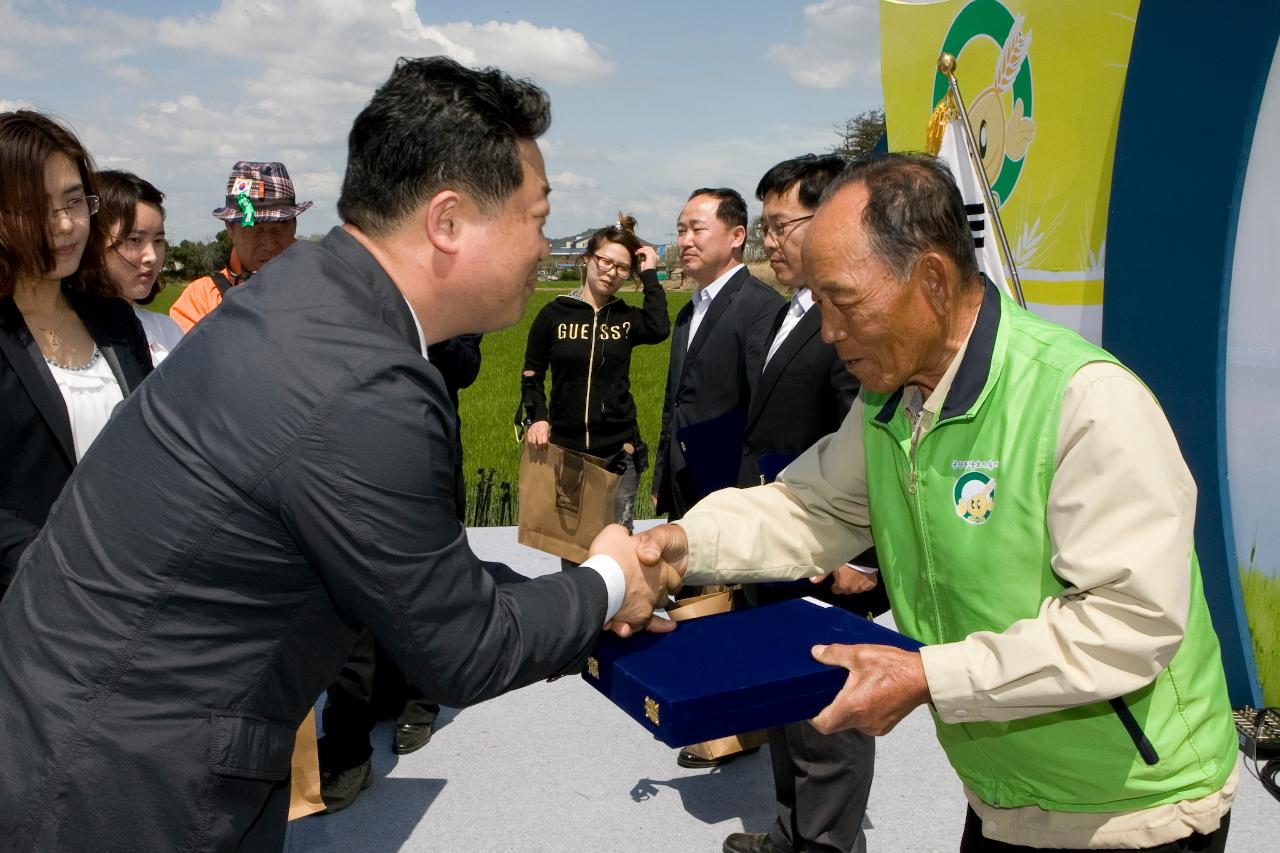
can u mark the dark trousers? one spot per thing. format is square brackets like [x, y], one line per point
[974, 841]
[822, 783]
[369, 688]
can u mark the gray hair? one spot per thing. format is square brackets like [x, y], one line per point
[913, 207]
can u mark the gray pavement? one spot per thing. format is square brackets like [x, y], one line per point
[556, 767]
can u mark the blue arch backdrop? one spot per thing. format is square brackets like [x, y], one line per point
[1175, 203]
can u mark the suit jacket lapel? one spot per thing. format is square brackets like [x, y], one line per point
[718, 306]
[680, 340]
[791, 347]
[24, 354]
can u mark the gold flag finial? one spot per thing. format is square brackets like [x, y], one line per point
[947, 65]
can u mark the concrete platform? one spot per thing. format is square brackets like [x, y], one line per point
[555, 767]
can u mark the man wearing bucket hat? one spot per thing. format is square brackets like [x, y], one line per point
[261, 215]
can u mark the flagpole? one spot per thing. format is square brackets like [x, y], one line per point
[947, 66]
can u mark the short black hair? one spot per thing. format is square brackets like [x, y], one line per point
[732, 210]
[438, 125]
[119, 195]
[913, 207]
[812, 171]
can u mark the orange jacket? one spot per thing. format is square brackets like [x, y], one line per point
[202, 295]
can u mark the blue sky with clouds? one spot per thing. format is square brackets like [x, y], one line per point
[649, 99]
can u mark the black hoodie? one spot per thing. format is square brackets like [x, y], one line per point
[589, 353]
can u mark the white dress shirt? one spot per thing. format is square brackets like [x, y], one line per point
[702, 300]
[801, 302]
[163, 333]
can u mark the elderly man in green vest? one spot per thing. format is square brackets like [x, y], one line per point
[1033, 517]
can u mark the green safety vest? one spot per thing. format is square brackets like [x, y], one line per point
[961, 535]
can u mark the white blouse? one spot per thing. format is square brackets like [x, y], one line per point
[163, 333]
[91, 394]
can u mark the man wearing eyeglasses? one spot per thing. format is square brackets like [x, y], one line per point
[717, 349]
[821, 782]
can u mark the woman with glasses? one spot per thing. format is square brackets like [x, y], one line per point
[69, 349]
[132, 214]
[586, 339]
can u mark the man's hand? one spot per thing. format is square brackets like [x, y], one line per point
[645, 589]
[884, 685]
[538, 434]
[847, 580]
[667, 546]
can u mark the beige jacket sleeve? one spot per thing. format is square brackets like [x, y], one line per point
[1121, 515]
[1120, 518]
[805, 524]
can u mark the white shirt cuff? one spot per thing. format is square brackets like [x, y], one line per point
[611, 573]
[866, 570]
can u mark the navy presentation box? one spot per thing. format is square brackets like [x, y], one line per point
[732, 672]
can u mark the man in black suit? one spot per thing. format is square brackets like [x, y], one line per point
[717, 351]
[287, 481]
[821, 782]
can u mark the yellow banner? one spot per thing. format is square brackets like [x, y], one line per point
[1042, 83]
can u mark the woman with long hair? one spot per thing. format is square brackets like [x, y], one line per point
[586, 339]
[132, 214]
[69, 349]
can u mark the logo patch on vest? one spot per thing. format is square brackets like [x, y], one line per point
[975, 496]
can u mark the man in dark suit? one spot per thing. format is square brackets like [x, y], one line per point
[821, 782]
[717, 352]
[285, 481]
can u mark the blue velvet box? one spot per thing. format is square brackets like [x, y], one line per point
[732, 672]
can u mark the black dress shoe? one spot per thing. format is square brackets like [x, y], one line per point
[697, 762]
[753, 842]
[410, 737]
[339, 788]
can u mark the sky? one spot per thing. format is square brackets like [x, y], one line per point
[649, 100]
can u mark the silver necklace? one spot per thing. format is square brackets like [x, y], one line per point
[93, 359]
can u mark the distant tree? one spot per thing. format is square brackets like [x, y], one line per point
[859, 135]
[221, 249]
[754, 248]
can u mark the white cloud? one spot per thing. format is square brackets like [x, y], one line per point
[841, 44]
[571, 180]
[127, 74]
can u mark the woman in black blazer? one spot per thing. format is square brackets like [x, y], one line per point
[69, 349]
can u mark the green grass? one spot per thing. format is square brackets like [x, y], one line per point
[489, 405]
[1262, 607]
[166, 298]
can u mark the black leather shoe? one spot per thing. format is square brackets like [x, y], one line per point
[410, 737]
[339, 788]
[697, 762]
[753, 842]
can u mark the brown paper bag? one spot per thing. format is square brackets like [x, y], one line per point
[708, 604]
[566, 499]
[304, 784]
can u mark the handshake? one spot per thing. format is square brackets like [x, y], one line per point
[653, 563]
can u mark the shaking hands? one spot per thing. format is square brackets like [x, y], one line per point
[653, 563]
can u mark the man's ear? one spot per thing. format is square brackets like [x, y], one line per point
[442, 217]
[933, 276]
[739, 237]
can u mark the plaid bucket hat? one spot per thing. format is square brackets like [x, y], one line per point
[259, 191]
